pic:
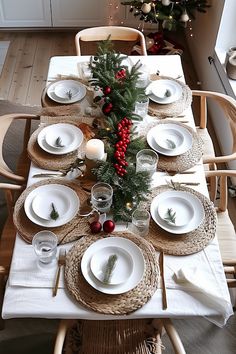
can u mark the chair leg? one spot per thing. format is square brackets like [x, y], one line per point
[2, 291]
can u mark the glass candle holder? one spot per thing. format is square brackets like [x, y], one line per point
[101, 197]
[146, 160]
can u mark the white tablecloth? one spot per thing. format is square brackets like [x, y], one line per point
[29, 294]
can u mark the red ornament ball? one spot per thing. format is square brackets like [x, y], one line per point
[107, 108]
[107, 90]
[108, 226]
[95, 227]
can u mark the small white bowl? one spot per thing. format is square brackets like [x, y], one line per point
[169, 139]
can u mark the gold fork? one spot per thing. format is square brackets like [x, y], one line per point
[61, 262]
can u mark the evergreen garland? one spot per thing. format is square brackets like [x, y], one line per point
[119, 93]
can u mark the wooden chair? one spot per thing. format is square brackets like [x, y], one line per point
[8, 235]
[225, 229]
[115, 337]
[23, 161]
[227, 105]
[118, 36]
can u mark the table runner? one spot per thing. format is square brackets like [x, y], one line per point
[119, 304]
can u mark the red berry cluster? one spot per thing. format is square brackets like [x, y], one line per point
[123, 133]
[121, 74]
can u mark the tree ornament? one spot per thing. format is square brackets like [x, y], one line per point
[184, 17]
[107, 90]
[95, 227]
[121, 74]
[107, 108]
[149, 42]
[165, 2]
[108, 226]
[146, 8]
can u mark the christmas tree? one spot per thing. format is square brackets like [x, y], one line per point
[168, 13]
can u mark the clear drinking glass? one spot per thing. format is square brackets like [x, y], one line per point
[101, 196]
[45, 246]
[140, 221]
[141, 106]
[146, 160]
[144, 75]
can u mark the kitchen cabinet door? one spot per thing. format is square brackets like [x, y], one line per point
[25, 13]
[79, 13]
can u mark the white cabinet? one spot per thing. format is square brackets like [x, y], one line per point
[25, 13]
[79, 13]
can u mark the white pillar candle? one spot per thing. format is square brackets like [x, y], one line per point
[94, 149]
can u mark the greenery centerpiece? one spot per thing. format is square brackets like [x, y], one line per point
[118, 92]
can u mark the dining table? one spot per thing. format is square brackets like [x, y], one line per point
[28, 291]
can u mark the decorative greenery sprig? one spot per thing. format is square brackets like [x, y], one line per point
[69, 94]
[58, 142]
[171, 143]
[54, 214]
[109, 268]
[170, 216]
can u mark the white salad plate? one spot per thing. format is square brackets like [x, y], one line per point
[38, 204]
[59, 91]
[123, 266]
[118, 244]
[188, 208]
[164, 91]
[157, 139]
[71, 137]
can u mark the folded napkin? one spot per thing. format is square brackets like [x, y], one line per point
[192, 280]
[26, 271]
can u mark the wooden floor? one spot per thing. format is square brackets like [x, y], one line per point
[23, 78]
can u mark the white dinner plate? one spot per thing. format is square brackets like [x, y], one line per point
[53, 193]
[128, 246]
[58, 91]
[71, 138]
[185, 204]
[42, 202]
[164, 91]
[181, 136]
[123, 265]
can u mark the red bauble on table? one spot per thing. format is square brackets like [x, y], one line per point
[108, 226]
[107, 108]
[107, 90]
[95, 227]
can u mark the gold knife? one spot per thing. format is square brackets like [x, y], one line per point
[162, 274]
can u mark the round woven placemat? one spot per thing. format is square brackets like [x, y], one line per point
[120, 304]
[171, 109]
[181, 162]
[191, 242]
[72, 231]
[50, 161]
[46, 101]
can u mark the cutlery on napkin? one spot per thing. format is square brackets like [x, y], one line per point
[162, 275]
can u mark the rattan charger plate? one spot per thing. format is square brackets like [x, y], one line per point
[171, 109]
[69, 232]
[184, 244]
[50, 161]
[181, 162]
[120, 304]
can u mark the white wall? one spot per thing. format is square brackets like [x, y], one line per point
[202, 45]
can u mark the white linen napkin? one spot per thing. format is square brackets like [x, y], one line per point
[192, 280]
[26, 271]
